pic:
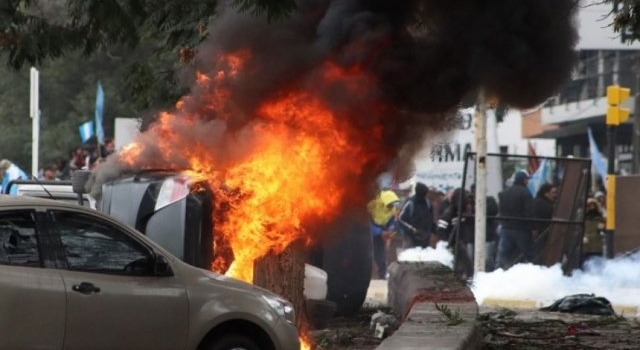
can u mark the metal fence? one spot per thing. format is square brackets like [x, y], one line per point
[561, 240]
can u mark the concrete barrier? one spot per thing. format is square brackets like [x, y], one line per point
[438, 309]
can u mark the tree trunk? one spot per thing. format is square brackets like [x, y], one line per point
[283, 274]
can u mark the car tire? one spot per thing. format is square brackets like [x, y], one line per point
[233, 342]
[320, 312]
[347, 259]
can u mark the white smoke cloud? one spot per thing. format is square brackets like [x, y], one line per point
[440, 254]
[618, 280]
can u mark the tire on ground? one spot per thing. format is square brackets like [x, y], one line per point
[233, 342]
[347, 259]
[320, 312]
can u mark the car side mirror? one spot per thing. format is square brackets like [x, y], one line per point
[161, 267]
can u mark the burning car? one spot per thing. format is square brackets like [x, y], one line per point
[180, 215]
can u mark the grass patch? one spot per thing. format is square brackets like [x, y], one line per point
[453, 317]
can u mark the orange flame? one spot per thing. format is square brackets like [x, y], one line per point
[289, 168]
[130, 152]
[291, 165]
[284, 182]
[305, 342]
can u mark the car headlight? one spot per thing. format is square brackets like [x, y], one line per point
[282, 307]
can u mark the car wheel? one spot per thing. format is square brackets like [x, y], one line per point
[347, 260]
[233, 342]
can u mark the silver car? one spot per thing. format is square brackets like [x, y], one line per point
[73, 278]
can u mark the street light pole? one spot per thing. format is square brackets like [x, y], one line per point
[480, 133]
[611, 190]
[635, 134]
[616, 115]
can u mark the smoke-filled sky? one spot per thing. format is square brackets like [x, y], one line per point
[418, 59]
[425, 56]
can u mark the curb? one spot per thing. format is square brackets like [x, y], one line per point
[420, 292]
[426, 328]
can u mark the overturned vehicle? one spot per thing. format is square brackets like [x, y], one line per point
[178, 214]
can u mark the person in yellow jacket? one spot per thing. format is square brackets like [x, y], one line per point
[382, 211]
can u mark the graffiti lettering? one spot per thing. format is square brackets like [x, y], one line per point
[449, 152]
[466, 121]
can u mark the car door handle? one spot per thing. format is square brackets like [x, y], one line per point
[85, 288]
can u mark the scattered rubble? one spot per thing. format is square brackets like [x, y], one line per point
[534, 329]
[364, 330]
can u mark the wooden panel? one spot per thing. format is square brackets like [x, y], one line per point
[564, 238]
[627, 233]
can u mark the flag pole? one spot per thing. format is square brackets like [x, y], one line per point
[98, 116]
[98, 145]
[34, 113]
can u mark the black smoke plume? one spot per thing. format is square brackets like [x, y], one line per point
[424, 58]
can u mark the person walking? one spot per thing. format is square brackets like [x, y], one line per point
[382, 211]
[515, 231]
[594, 224]
[416, 218]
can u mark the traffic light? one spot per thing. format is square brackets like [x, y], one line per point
[615, 96]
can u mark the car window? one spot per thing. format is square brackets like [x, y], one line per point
[18, 240]
[97, 246]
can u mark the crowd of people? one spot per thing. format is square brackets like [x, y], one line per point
[399, 221]
[85, 157]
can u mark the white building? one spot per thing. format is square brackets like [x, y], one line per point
[581, 104]
[441, 163]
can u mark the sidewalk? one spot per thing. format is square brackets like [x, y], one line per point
[376, 294]
[426, 325]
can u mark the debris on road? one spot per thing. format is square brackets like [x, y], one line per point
[588, 304]
[535, 329]
[356, 332]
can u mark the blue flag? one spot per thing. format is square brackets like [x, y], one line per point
[539, 177]
[596, 157]
[86, 130]
[99, 108]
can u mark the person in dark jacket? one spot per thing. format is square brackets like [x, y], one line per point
[491, 232]
[456, 226]
[515, 230]
[448, 224]
[542, 207]
[416, 218]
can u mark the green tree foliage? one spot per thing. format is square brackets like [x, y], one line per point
[67, 99]
[35, 30]
[626, 18]
[137, 48]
